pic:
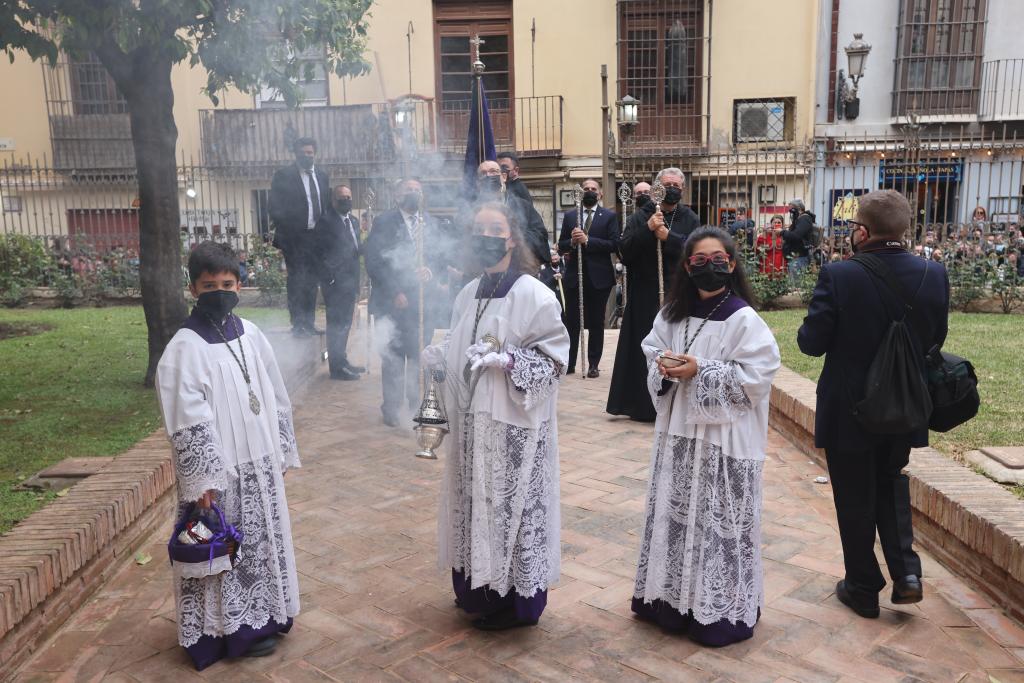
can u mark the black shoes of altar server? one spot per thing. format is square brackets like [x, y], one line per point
[501, 621]
[905, 591]
[262, 648]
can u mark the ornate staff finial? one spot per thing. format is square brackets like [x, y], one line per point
[478, 66]
[625, 194]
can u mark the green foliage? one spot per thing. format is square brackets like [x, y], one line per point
[68, 288]
[241, 43]
[265, 271]
[967, 283]
[1008, 287]
[768, 288]
[24, 263]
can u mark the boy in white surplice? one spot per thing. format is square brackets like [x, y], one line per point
[229, 419]
[711, 360]
[498, 521]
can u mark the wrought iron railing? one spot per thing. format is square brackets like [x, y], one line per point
[530, 126]
[1002, 90]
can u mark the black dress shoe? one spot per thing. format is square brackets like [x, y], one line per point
[300, 331]
[501, 621]
[571, 371]
[864, 604]
[344, 374]
[262, 648]
[358, 369]
[313, 329]
[907, 590]
[593, 373]
[390, 420]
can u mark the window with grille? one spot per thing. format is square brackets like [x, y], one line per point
[92, 89]
[762, 120]
[939, 53]
[312, 81]
[661, 54]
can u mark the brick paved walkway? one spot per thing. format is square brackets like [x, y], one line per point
[375, 607]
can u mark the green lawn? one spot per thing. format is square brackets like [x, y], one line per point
[73, 391]
[990, 341]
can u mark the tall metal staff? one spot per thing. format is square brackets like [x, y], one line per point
[626, 198]
[658, 196]
[419, 277]
[370, 198]
[577, 193]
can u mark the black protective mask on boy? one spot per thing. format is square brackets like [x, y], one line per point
[487, 250]
[711, 276]
[589, 198]
[672, 195]
[218, 304]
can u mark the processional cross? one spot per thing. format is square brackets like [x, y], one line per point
[476, 41]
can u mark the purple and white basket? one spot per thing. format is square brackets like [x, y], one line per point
[213, 556]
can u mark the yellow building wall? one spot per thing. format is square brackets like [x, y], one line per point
[23, 115]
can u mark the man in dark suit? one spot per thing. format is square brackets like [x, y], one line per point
[298, 200]
[846, 321]
[509, 164]
[338, 248]
[598, 232]
[395, 276]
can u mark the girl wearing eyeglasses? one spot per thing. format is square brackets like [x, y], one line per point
[711, 360]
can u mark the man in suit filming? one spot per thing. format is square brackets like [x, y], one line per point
[299, 198]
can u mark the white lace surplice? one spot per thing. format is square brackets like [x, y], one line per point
[499, 514]
[701, 547]
[220, 444]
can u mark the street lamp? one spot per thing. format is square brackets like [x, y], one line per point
[629, 112]
[847, 102]
[402, 113]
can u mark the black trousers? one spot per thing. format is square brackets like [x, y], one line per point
[400, 359]
[872, 494]
[594, 302]
[340, 301]
[300, 259]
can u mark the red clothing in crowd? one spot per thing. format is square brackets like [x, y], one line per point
[769, 248]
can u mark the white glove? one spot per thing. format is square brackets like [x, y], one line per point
[492, 360]
[478, 349]
[432, 356]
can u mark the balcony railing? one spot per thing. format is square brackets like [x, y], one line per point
[1002, 90]
[91, 142]
[377, 133]
[530, 126]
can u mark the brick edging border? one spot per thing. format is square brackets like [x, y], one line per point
[969, 523]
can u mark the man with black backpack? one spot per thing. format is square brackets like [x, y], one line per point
[875, 317]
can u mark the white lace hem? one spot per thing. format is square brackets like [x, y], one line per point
[716, 396]
[198, 465]
[499, 510]
[286, 436]
[534, 374]
[263, 584]
[701, 547]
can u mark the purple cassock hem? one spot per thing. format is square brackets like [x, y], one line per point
[485, 601]
[718, 634]
[212, 649]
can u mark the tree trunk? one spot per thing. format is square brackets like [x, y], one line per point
[151, 108]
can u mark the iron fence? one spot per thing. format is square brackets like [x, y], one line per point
[1002, 90]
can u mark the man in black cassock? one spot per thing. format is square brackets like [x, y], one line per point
[670, 223]
[395, 276]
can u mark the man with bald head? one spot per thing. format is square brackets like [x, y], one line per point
[669, 224]
[641, 194]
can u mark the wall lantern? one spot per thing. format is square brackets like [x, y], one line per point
[847, 102]
[629, 111]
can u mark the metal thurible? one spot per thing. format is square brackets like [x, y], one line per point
[431, 421]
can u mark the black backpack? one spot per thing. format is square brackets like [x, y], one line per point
[905, 390]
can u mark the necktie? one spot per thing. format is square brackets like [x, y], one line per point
[590, 218]
[352, 231]
[314, 197]
[414, 228]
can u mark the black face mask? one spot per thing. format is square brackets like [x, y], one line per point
[304, 162]
[710, 277]
[673, 194]
[642, 200]
[795, 213]
[343, 206]
[217, 305]
[410, 203]
[490, 183]
[589, 198]
[486, 250]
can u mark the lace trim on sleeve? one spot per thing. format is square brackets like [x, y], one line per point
[717, 396]
[286, 432]
[661, 390]
[533, 373]
[197, 462]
